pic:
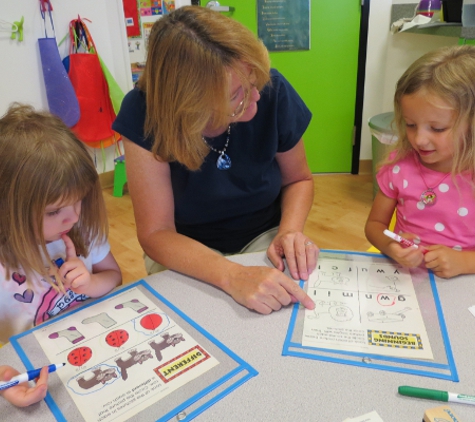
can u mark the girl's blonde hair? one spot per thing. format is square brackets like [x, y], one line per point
[41, 163]
[448, 73]
[186, 79]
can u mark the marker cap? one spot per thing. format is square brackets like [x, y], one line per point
[424, 393]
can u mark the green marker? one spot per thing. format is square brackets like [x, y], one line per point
[425, 393]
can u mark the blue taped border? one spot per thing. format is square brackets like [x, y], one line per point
[374, 356]
[243, 366]
[443, 328]
[453, 376]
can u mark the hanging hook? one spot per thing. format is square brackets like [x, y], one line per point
[17, 30]
[46, 7]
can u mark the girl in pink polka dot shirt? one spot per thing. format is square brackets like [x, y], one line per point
[428, 178]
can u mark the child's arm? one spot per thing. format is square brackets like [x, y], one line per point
[105, 275]
[378, 220]
[23, 394]
[446, 262]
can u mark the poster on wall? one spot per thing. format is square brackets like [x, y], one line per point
[150, 7]
[284, 25]
[140, 15]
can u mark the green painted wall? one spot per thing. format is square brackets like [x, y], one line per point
[324, 76]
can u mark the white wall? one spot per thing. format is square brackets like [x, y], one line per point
[388, 57]
[21, 77]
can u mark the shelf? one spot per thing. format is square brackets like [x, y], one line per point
[446, 29]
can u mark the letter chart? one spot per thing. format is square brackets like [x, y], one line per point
[365, 307]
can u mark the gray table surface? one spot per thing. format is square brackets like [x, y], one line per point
[289, 388]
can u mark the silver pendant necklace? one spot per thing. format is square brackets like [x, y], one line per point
[429, 197]
[223, 162]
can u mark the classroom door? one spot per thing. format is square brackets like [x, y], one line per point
[325, 77]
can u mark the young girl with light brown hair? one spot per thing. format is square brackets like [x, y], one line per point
[429, 178]
[54, 252]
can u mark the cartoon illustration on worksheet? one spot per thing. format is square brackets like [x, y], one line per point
[385, 317]
[334, 306]
[79, 356]
[71, 334]
[166, 341]
[135, 357]
[382, 282]
[361, 306]
[98, 376]
[134, 305]
[151, 323]
[330, 280]
[103, 319]
[117, 338]
[338, 311]
[124, 351]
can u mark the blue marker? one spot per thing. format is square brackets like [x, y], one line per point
[59, 262]
[27, 376]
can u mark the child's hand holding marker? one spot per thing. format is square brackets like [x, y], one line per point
[442, 261]
[22, 394]
[405, 243]
[405, 251]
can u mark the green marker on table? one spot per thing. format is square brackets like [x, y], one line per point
[425, 393]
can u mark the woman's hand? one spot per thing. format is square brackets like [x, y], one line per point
[23, 395]
[299, 251]
[264, 289]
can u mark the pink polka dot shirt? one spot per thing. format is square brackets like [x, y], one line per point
[450, 221]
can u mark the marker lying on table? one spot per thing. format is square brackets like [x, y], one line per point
[425, 393]
[405, 243]
[27, 376]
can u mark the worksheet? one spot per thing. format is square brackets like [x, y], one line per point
[365, 307]
[122, 355]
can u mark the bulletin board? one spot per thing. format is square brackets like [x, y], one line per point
[284, 25]
[140, 15]
[374, 313]
[131, 354]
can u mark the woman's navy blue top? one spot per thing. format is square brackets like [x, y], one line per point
[226, 209]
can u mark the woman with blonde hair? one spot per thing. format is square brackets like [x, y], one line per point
[215, 160]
